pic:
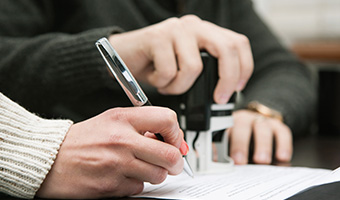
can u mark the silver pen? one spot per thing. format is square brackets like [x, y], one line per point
[130, 86]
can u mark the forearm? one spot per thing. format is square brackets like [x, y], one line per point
[49, 58]
[52, 67]
[29, 145]
[288, 93]
[279, 80]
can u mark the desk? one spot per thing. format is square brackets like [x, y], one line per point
[317, 151]
[310, 151]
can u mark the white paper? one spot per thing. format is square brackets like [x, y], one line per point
[329, 178]
[243, 182]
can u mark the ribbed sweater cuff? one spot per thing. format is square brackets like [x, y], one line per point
[29, 145]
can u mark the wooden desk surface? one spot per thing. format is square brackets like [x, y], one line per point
[310, 151]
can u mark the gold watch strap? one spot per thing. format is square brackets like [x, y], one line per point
[255, 106]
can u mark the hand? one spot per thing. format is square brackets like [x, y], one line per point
[108, 155]
[167, 55]
[265, 130]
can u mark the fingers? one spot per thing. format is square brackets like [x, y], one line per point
[246, 61]
[147, 120]
[127, 187]
[240, 135]
[189, 63]
[235, 65]
[147, 172]
[173, 49]
[164, 59]
[155, 120]
[112, 188]
[263, 140]
[229, 67]
[131, 187]
[284, 142]
[235, 62]
[265, 131]
[159, 154]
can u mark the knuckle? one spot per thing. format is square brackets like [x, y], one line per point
[194, 67]
[228, 47]
[173, 20]
[178, 90]
[121, 116]
[228, 43]
[163, 80]
[173, 157]
[159, 176]
[243, 39]
[191, 18]
[134, 188]
[105, 188]
[231, 45]
[161, 31]
[139, 188]
[230, 77]
[117, 139]
[242, 114]
[159, 36]
[168, 74]
[286, 130]
[159, 83]
[117, 114]
[170, 116]
[172, 23]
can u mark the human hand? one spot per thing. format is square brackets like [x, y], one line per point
[109, 155]
[265, 130]
[167, 55]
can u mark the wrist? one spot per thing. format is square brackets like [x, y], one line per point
[29, 146]
[264, 110]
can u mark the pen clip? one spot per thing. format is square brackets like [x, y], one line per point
[122, 74]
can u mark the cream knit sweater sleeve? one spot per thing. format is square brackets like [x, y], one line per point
[28, 148]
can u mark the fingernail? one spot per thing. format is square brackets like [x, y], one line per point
[184, 148]
[239, 158]
[224, 98]
[263, 158]
[284, 156]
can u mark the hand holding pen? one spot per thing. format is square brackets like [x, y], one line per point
[108, 155]
[130, 86]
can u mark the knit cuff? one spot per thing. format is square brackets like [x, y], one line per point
[29, 145]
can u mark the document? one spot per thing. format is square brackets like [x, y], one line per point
[242, 182]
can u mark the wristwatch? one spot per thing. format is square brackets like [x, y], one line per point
[255, 106]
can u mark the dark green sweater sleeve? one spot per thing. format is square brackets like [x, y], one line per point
[39, 67]
[279, 80]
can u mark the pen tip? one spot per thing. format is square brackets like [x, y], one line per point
[187, 168]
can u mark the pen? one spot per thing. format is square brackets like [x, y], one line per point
[130, 86]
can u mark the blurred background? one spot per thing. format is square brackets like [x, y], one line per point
[302, 20]
[311, 29]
